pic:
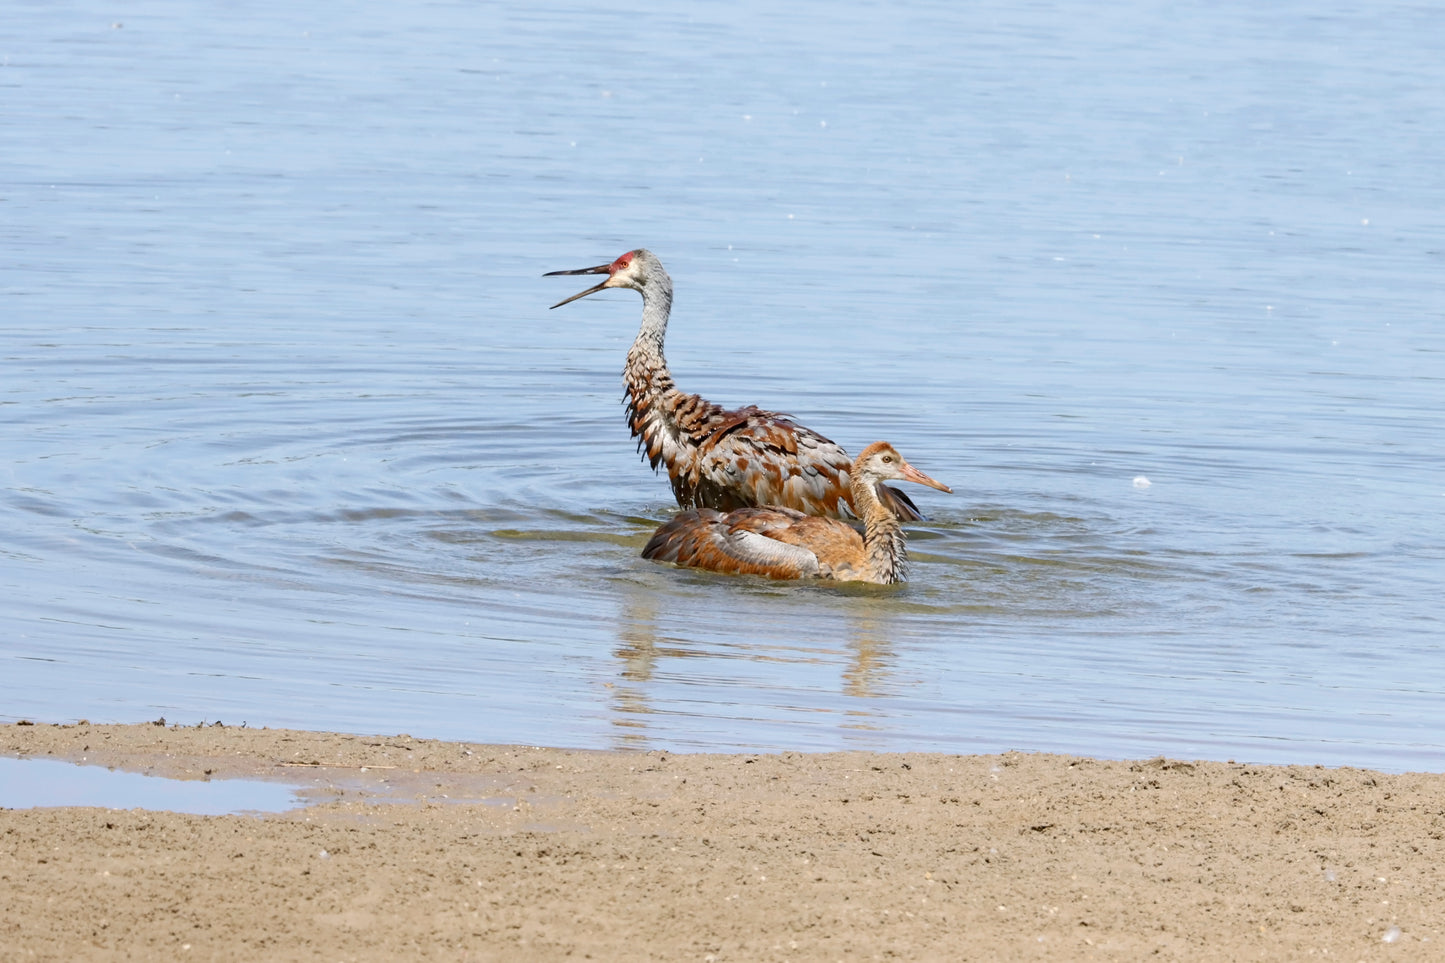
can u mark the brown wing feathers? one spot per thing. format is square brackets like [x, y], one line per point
[749, 541]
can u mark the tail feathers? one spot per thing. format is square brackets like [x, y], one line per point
[676, 540]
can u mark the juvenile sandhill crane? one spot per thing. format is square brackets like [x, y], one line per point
[717, 457]
[785, 544]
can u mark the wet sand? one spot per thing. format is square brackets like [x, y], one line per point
[416, 849]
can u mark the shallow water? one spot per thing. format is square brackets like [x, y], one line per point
[293, 440]
[31, 783]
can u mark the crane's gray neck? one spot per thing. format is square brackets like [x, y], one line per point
[656, 308]
[883, 539]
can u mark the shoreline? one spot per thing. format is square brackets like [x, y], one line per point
[437, 850]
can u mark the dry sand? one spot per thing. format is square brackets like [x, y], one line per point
[472, 852]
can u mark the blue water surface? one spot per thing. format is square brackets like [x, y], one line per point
[290, 437]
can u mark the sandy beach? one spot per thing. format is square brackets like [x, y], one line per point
[417, 849]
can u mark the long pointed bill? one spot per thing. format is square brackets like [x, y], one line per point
[599, 269]
[914, 475]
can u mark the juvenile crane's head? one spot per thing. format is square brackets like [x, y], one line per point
[635, 270]
[880, 462]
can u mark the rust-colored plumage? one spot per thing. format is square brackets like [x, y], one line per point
[716, 457]
[786, 544]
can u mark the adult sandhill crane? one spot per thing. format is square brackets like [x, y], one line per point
[717, 457]
[786, 544]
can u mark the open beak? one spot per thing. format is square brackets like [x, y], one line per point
[599, 269]
[914, 475]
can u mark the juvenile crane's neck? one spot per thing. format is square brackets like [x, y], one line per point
[884, 551]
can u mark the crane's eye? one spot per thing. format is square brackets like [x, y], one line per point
[887, 459]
